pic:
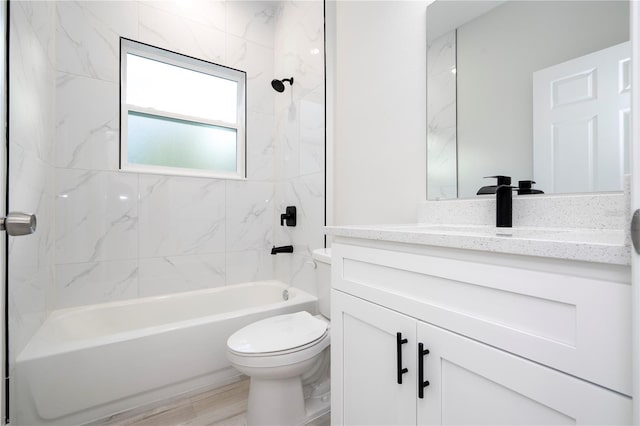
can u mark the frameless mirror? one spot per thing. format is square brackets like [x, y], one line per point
[535, 90]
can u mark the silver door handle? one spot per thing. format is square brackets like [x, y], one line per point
[17, 224]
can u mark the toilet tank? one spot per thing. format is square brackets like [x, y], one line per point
[322, 257]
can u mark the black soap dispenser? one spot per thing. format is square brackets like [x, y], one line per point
[525, 188]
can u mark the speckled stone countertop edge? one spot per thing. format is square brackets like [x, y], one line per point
[616, 253]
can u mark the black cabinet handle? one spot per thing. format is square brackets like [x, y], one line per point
[399, 342]
[421, 382]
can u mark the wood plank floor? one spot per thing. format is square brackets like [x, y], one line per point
[225, 406]
[222, 406]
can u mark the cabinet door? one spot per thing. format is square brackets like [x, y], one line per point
[472, 383]
[364, 364]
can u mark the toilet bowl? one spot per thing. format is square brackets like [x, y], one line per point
[278, 353]
[275, 353]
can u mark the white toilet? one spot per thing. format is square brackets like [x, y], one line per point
[281, 353]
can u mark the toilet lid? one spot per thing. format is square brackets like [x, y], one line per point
[277, 333]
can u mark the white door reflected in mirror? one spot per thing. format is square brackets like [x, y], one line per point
[581, 122]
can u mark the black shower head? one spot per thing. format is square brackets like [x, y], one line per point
[278, 85]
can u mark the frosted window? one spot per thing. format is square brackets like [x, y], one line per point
[169, 142]
[180, 115]
[156, 85]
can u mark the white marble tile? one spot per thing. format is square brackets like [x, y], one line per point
[311, 137]
[260, 146]
[441, 119]
[441, 54]
[26, 303]
[298, 270]
[211, 13]
[441, 164]
[309, 190]
[302, 273]
[31, 91]
[287, 140]
[257, 61]
[87, 123]
[181, 215]
[249, 265]
[31, 254]
[31, 191]
[164, 275]
[283, 235]
[282, 267]
[31, 177]
[96, 216]
[172, 32]
[252, 20]
[80, 284]
[442, 102]
[88, 36]
[307, 194]
[41, 18]
[300, 45]
[249, 215]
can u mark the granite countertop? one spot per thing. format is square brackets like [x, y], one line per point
[590, 245]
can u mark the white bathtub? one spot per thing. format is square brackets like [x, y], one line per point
[89, 362]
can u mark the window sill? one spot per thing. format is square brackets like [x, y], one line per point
[166, 171]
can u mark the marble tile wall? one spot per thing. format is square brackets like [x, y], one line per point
[121, 235]
[441, 118]
[31, 167]
[299, 133]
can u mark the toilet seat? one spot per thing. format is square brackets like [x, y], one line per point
[282, 358]
[279, 334]
[284, 351]
[279, 341]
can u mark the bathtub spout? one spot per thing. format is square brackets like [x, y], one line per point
[282, 249]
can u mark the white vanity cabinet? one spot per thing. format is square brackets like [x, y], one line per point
[366, 357]
[510, 340]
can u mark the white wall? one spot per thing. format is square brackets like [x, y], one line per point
[379, 152]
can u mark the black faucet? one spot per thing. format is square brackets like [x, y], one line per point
[491, 189]
[503, 189]
[525, 188]
[504, 206]
[282, 249]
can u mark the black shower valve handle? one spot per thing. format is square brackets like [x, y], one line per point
[289, 216]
